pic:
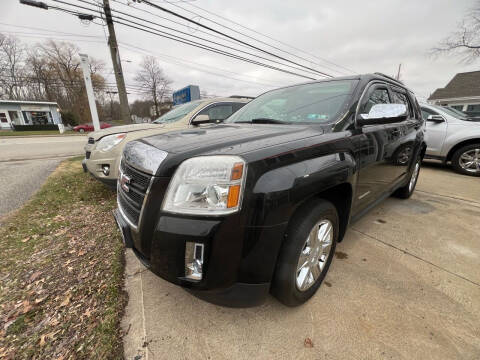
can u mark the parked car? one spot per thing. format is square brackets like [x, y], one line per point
[234, 211]
[104, 148]
[453, 138]
[89, 127]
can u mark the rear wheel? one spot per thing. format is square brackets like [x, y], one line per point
[406, 191]
[466, 160]
[306, 254]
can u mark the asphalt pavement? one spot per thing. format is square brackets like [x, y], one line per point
[25, 163]
[404, 284]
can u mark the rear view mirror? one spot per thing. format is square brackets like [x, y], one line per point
[435, 118]
[201, 119]
[383, 114]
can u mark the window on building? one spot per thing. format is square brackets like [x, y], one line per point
[475, 107]
[457, 107]
[14, 117]
[3, 118]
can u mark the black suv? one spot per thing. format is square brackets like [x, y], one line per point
[257, 204]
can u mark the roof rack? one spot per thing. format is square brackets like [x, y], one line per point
[241, 97]
[389, 77]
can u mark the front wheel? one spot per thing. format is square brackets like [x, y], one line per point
[306, 254]
[406, 191]
[81, 131]
[466, 160]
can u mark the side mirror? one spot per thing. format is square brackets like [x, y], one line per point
[201, 119]
[383, 114]
[435, 118]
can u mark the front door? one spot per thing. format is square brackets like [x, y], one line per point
[436, 132]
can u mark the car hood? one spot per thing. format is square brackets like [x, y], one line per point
[121, 129]
[231, 139]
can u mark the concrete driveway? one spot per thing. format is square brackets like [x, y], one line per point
[405, 283]
[25, 163]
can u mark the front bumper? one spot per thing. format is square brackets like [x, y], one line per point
[239, 261]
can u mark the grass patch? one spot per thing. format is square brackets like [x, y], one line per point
[38, 132]
[61, 272]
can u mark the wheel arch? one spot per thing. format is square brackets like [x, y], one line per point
[460, 145]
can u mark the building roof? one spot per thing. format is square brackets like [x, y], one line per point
[463, 85]
[27, 102]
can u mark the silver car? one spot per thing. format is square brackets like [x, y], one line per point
[452, 137]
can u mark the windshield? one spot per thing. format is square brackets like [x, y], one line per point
[177, 112]
[451, 111]
[315, 103]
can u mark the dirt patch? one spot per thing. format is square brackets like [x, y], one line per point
[61, 265]
[341, 255]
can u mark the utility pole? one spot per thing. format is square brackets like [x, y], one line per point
[90, 94]
[117, 64]
[399, 69]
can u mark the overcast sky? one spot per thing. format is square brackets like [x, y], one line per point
[364, 36]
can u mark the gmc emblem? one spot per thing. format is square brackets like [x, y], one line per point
[124, 181]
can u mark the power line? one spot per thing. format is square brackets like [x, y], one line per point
[184, 33]
[259, 33]
[231, 37]
[198, 45]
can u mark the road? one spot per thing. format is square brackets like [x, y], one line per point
[26, 162]
[404, 284]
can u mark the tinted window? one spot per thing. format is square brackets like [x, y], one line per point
[377, 96]
[218, 111]
[401, 98]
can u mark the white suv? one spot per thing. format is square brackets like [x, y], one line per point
[452, 137]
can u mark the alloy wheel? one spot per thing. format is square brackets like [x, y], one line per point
[470, 161]
[414, 177]
[314, 255]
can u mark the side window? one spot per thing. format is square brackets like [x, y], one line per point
[218, 111]
[377, 96]
[401, 98]
[238, 106]
[427, 112]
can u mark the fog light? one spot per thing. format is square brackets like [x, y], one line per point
[193, 261]
[106, 169]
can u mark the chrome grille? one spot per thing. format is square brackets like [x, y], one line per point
[131, 201]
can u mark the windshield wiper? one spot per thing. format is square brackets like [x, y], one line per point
[264, 121]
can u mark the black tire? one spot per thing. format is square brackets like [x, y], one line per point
[456, 160]
[284, 286]
[406, 191]
[81, 131]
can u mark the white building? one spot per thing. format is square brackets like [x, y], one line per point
[461, 93]
[28, 113]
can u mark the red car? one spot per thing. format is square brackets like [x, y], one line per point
[89, 127]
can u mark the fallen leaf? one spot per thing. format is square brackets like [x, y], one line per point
[308, 343]
[26, 307]
[40, 300]
[26, 239]
[35, 275]
[42, 340]
[65, 301]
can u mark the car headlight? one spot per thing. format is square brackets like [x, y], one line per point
[206, 185]
[108, 142]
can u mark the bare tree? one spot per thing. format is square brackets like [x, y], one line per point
[12, 69]
[465, 41]
[152, 82]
